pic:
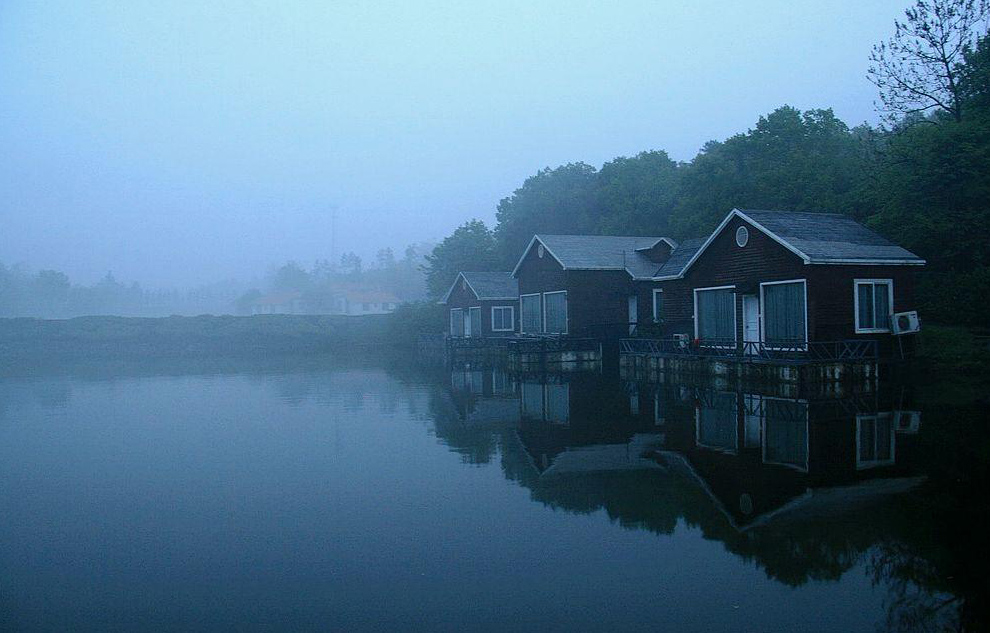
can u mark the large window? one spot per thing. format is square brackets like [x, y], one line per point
[532, 316]
[785, 313]
[503, 318]
[657, 306]
[716, 423]
[456, 322]
[555, 312]
[874, 300]
[715, 315]
[473, 326]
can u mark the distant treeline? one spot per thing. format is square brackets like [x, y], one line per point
[923, 181]
[50, 294]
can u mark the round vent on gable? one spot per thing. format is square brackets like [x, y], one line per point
[540, 251]
[742, 236]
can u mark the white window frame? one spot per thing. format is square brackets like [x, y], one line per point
[567, 316]
[450, 325]
[512, 319]
[656, 292]
[864, 464]
[890, 303]
[763, 311]
[735, 315]
[522, 314]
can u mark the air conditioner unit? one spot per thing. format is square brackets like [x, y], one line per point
[907, 421]
[681, 340]
[905, 323]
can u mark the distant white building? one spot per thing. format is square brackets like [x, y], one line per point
[279, 303]
[361, 302]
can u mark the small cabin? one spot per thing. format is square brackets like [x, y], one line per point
[482, 304]
[779, 280]
[586, 285]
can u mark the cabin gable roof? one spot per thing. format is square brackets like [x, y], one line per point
[599, 252]
[487, 286]
[816, 238]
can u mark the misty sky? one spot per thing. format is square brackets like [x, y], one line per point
[181, 143]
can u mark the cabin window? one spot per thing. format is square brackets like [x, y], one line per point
[873, 300]
[532, 316]
[503, 318]
[555, 312]
[474, 324]
[456, 322]
[715, 316]
[657, 306]
[785, 313]
[874, 441]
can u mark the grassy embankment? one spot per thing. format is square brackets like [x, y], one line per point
[116, 337]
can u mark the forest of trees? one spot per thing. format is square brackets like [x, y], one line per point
[922, 179]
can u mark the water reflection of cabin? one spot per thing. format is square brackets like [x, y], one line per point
[756, 453]
[482, 305]
[783, 281]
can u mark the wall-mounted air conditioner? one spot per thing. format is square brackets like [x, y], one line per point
[905, 323]
[682, 340]
[907, 421]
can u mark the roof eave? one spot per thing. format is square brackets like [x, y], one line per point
[869, 262]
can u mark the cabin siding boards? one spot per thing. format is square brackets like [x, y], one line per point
[596, 299]
[830, 287]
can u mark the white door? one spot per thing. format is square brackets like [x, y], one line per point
[467, 322]
[751, 322]
[633, 312]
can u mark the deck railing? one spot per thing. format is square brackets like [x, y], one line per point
[545, 344]
[781, 351]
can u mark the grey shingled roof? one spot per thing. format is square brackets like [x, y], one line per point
[493, 285]
[830, 237]
[680, 257]
[601, 252]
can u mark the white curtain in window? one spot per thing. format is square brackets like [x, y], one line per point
[456, 322]
[475, 315]
[531, 314]
[784, 313]
[555, 303]
[716, 315]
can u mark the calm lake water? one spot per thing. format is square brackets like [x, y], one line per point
[300, 495]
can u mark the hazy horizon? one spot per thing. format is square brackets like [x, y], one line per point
[178, 145]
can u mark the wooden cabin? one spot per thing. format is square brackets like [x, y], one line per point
[782, 280]
[586, 285]
[482, 304]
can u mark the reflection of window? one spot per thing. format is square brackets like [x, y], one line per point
[549, 403]
[873, 300]
[555, 312]
[785, 433]
[558, 406]
[658, 418]
[785, 313]
[874, 441]
[532, 317]
[532, 400]
[503, 318]
[715, 315]
[501, 383]
[716, 423]
[456, 322]
[752, 421]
